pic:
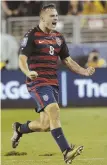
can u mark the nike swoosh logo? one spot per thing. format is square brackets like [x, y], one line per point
[41, 42]
[58, 136]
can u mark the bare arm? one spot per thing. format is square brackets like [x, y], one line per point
[6, 9]
[73, 66]
[23, 64]
[24, 67]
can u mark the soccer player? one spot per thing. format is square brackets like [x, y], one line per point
[39, 52]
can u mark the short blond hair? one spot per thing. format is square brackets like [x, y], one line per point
[49, 6]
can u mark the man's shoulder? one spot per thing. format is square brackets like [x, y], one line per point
[31, 31]
[58, 33]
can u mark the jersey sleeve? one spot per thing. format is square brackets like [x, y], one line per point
[64, 52]
[26, 44]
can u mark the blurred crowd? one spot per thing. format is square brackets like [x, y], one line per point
[32, 8]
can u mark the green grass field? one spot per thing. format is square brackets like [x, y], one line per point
[83, 126]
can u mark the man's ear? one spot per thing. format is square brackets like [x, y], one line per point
[42, 18]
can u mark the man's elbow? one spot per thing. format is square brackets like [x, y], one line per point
[20, 63]
[22, 59]
[65, 61]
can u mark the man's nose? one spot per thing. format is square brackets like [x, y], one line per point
[56, 18]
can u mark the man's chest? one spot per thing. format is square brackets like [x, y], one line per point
[49, 45]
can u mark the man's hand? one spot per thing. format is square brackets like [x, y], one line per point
[24, 67]
[32, 75]
[73, 66]
[89, 71]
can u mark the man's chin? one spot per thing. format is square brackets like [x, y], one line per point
[53, 28]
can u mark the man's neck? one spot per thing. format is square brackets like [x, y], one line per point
[44, 29]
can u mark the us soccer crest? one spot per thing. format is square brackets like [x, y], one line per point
[24, 41]
[46, 97]
[58, 41]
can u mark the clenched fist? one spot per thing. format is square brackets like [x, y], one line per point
[90, 71]
[32, 75]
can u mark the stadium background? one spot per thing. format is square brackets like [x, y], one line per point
[83, 100]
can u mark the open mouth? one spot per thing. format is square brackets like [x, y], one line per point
[54, 23]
